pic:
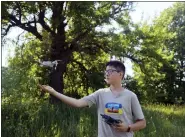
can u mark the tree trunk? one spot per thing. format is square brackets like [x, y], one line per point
[59, 49]
[61, 52]
[56, 81]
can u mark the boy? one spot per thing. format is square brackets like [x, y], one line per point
[115, 101]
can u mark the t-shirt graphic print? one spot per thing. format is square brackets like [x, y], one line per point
[113, 108]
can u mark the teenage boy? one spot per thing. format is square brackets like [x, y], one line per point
[114, 101]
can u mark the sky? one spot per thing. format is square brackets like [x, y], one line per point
[147, 10]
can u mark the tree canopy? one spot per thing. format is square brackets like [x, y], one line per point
[69, 32]
[74, 33]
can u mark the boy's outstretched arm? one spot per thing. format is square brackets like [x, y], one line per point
[68, 100]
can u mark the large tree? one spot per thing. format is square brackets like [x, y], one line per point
[70, 26]
[161, 49]
[175, 17]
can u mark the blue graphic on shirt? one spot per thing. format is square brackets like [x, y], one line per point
[113, 108]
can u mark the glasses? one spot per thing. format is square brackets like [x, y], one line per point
[110, 71]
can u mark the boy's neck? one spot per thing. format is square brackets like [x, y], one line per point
[116, 88]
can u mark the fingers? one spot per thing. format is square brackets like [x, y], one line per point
[46, 88]
[119, 127]
[116, 128]
[120, 124]
[42, 87]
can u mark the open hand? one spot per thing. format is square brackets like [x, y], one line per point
[46, 88]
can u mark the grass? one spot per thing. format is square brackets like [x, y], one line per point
[163, 121]
[47, 120]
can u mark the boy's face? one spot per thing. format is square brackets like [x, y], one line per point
[112, 75]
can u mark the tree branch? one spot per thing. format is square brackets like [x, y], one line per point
[121, 7]
[18, 38]
[133, 58]
[100, 46]
[58, 18]
[80, 65]
[35, 22]
[79, 37]
[19, 10]
[43, 23]
[25, 26]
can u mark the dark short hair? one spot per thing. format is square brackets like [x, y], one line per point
[118, 65]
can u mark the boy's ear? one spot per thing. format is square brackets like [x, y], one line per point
[122, 74]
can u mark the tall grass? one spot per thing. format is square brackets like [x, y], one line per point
[46, 120]
[163, 121]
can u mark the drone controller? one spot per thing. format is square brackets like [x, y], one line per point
[109, 120]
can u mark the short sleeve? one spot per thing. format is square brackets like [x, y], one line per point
[92, 98]
[136, 108]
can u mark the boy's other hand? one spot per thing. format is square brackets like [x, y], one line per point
[120, 127]
[46, 88]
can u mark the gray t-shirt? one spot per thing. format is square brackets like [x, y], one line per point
[124, 106]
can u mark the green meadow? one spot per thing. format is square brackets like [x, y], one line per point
[64, 121]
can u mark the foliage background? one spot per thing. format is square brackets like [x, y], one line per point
[156, 50]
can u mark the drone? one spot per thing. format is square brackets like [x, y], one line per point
[51, 64]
